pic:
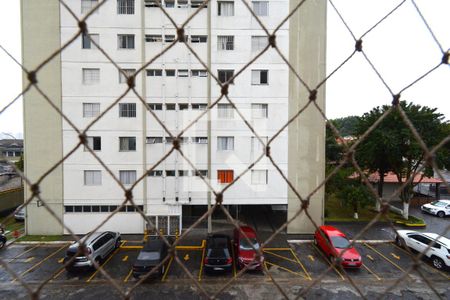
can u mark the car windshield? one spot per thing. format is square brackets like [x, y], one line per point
[244, 245]
[148, 255]
[438, 203]
[340, 242]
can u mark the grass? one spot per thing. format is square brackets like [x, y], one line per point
[335, 212]
[40, 238]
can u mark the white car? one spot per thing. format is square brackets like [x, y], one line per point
[439, 252]
[440, 208]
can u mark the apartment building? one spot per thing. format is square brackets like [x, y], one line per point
[177, 88]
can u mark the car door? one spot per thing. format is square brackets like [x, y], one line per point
[419, 242]
[447, 210]
[325, 243]
[109, 242]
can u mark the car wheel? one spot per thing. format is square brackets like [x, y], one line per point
[438, 263]
[162, 270]
[2, 243]
[332, 260]
[440, 214]
[400, 242]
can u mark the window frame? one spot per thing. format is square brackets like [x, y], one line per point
[126, 7]
[95, 181]
[127, 110]
[258, 182]
[129, 142]
[92, 113]
[220, 10]
[257, 77]
[225, 143]
[225, 176]
[90, 79]
[126, 41]
[94, 142]
[128, 180]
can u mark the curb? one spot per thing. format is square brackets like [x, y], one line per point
[357, 241]
[43, 243]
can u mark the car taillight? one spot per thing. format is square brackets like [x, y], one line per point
[205, 261]
[229, 261]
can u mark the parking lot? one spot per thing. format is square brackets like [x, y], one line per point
[303, 262]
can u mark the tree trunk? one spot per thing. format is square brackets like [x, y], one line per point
[355, 210]
[405, 210]
[380, 191]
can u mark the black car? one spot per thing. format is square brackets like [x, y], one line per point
[218, 254]
[151, 255]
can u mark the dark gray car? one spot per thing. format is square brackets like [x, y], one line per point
[151, 255]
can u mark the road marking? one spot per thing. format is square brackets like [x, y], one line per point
[371, 272]
[326, 259]
[29, 259]
[125, 258]
[61, 260]
[276, 249]
[201, 265]
[106, 261]
[286, 269]
[131, 247]
[395, 256]
[311, 258]
[386, 258]
[167, 270]
[57, 274]
[424, 264]
[40, 262]
[19, 255]
[370, 257]
[301, 265]
[128, 276]
[186, 257]
[280, 256]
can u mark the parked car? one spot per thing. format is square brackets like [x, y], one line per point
[151, 255]
[98, 245]
[439, 252]
[245, 251]
[337, 247]
[19, 214]
[2, 237]
[440, 208]
[218, 258]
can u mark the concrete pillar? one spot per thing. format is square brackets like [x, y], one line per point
[306, 146]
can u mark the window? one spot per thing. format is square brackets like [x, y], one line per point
[68, 208]
[169, 38]
[225, 111]
[200, 140]
[225, 42]
[169, 140]
[127, 143]
[260, 77]
[225, 8]
[420, 239]
[183, 106]
[169, 3]
[86, 40]
[204, 173]
[153, 38]
[225, 75]
[91, 110]
[127, 110]
[125, 41]
[259, 43]
[259, 111]
[94, 142]
[199, 73]
[87, 5]
[170, 173]
[155, 106]
[225, 143]
[197, 3]
[124, 73]
[257, 147]
[127, 177]
[261, 8]
[125, 7]
[199, 38]
[225, 176]
[91, 76]
[155, 173]
[182, 3]
[154, 72]
[183, 73]
[92, 177]
[154, 140]
[170, 73]
[259, 176]
[151, 3]
[170, 106]
[198, 106]
[183, 173]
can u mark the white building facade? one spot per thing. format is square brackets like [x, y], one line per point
[130, 141]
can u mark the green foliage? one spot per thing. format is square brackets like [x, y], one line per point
[333, 151]
[391, 146]
[19, 164]
[347, 125]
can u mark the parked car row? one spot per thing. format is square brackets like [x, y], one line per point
[440, 208]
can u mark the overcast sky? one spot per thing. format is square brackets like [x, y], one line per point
[401, 48]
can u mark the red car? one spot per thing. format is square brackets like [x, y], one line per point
[333, 243]
[245, 252]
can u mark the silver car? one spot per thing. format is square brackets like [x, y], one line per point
[98, 246]
[19, 214]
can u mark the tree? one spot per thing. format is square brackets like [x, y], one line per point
[391, 146]
[347, 125]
